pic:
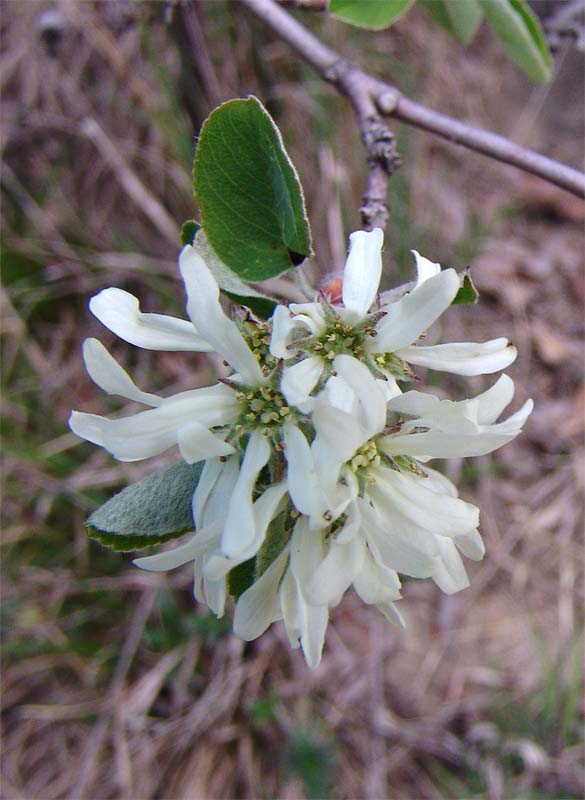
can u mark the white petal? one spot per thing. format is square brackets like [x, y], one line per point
[290, 609]
[342, 434]
[310, 315]
[197, 443]
[313, 636]
[410, 316]
[120, 312]
[339, 394]
[198, 545]
[449, 574]
[215, 487]
[363, 269]
[303, 481]
[265, 509]
[375, 583]
[396, 542]
[391, 613]
[280, 336]
[369, 394]
[105, 371]
[425, 269]
[333, 576]
[299, 381]
[441, 514]
[414, 404]
[462, 358]
[258, 607]
[88, 426]
[215, 595]
[204, 308]
[438, 444]
[240, 523]
[492, 402]
[471, 545]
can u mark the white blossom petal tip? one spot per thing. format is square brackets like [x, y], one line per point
[120, 311]
[363, 269]
[425, 269]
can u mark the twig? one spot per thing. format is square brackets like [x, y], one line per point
[566, 22]
[367, 93]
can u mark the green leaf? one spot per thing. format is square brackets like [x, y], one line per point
[241, 578]
[373, 14]
[249, 194]
[189, 230]
[467, 292]
[261, 307]
[153, 510]
[276, 540]
[234, 288]
[462, 18]
[521, 34]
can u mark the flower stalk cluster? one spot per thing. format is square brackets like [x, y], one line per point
[315, 475]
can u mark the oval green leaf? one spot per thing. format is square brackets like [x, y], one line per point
[521, 35]
[373, 14]
[153, 510]
[462, 18]
[249, 194]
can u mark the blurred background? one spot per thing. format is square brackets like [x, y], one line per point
[116, 685]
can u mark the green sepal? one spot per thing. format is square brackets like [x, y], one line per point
[153, 510]
[189, 230]
[467, 292]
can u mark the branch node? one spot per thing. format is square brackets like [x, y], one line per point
[387, 101]
[336, 72]
[380, 146]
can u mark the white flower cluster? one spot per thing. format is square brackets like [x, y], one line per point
[315, 475]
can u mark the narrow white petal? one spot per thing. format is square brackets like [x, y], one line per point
[310, 315]
[303, 481]
[205, 311]
[441, 514]
[105, 371]
[290, 609]
[339, 394]
[342, 434]
[120, 312]
[410, 316]
[375, 583]
[215, 595]
[197, 546]
[283, 325]
[449, 574]
[313, 636]
[396, 541]
[333, 576]
[492, 402]
[414, 404]
[240, 523]
[363, 269]
[197, 443]
[471, 545]
[88, 426]
[207, 480]
[445, 444]
[462, 358]
[425, 269]
[391, 613]
[299, 381]
[367, 390]
[258, 607]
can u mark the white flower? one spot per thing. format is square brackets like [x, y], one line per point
[409, 516]
[205, 423]
[381, 337]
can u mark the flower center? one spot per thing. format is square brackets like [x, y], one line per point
[338, 338]
[262, 407]
[257, 337]
[364, 459]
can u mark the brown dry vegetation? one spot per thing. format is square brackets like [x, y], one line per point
[115, 685]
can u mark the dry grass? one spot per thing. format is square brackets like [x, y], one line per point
[115, 686]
